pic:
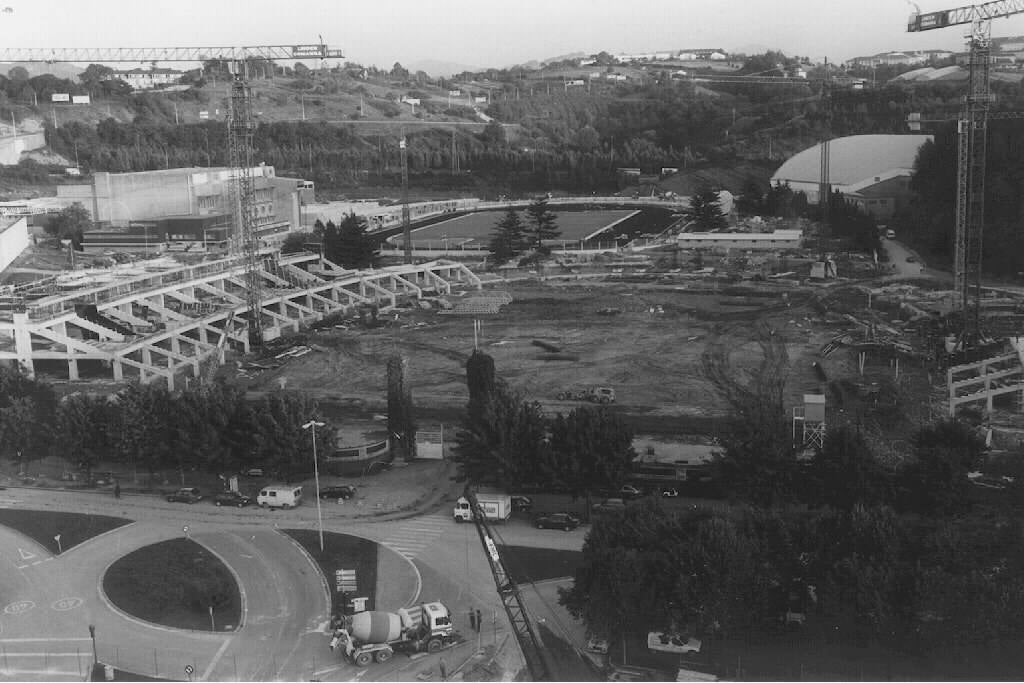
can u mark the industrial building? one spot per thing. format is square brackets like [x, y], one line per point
[123, 199]
[872, 171]
[753, 241]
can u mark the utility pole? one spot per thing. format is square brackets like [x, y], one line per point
[406, 230]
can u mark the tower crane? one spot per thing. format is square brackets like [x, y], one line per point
[971, 140]
[241, 129]
[522, 625]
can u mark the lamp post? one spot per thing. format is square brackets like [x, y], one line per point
[312, 425]
[92, 634]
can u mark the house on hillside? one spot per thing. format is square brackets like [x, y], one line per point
[147, 79]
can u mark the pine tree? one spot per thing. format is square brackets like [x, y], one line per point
[401, 423]
[356, 249]
[706, 211]
[543, 224]
[509, 239]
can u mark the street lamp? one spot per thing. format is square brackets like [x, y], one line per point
[92, 634]
[312, 425]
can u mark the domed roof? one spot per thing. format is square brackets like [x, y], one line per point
[853, 159]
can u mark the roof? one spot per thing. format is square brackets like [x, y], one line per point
[853, 159]
[750, 236]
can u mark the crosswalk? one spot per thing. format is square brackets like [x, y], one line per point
[410, 537]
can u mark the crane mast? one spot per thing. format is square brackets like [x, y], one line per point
[972, 130]
[241, 130]
[508, 590]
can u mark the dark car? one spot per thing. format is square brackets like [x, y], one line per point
[188, 494]
[521, 503]
[557, 520]
[610, 505]
[232, 498]
[628, 491]
[336, 492]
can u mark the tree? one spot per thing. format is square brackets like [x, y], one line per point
[17, 73]
[845, 473]
[759, 462]
[590, 448]
[399, 72]
[296, 242]
[508, 239]
[354, 248]
[542, 223]
[70, 223]
[401, 422]
[706, 211]
[493, 135]
[95, 74]
[944, 452]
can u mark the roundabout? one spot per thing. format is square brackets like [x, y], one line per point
[139, 597]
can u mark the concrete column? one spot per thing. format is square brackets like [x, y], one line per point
[72, 369]
[23, 343]
[118, 370]
[175, 345]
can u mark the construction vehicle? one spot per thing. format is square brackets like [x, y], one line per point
[368, 636]
[592, 394]
[495, 506]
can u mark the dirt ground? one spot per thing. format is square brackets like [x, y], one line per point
[649, 351]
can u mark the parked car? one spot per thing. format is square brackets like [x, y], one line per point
[610, 505]
[557, 520]
[597, 645]
[521, 503]
[187, 494]
[253, 472]
[336, 492]
[629, 491]
[232, 498]
[669, 493]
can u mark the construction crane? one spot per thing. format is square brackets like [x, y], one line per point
[406, 225]
[971, 140]
[522, 625]
[241, 129]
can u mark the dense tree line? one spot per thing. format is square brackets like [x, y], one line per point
[211, 427]
[507, 441]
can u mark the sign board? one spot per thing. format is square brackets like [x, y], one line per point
[204, 114]
[60, 97]
[454, 93]
[307, 51]
[79, 99]
[345, 580]
[479, 100]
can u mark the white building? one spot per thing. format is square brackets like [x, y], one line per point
[753, 241]
[13, 239]
[147, 79]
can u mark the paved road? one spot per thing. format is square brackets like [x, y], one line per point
[48, 602]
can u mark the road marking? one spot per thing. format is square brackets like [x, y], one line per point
[413, 536]
[65, 604]
[43, 640]
[216, 658]
[25, 555]
[19, 607]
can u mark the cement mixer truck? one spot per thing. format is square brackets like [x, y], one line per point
[368, 636]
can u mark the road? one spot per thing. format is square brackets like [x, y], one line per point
[49, 602]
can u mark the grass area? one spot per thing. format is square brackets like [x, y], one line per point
[342, 551]
[174, 583]
[74, 528]
[538, 564]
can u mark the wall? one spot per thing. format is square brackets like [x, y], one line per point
[13, 240]
[12, 147]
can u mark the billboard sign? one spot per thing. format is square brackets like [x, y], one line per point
[308, 51]
[79, 99]
[60, 97]
[204, 114]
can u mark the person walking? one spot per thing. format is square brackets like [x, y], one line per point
[479, 621]
[472, 620]
[117, 489]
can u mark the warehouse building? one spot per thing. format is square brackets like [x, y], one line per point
[872, 171]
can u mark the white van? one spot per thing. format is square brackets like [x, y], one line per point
[279, 496]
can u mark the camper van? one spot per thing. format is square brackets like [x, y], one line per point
[279, 496]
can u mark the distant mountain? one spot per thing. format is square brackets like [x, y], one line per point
[58, 69]
[439, 68]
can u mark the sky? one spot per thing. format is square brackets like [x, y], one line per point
[481, 34]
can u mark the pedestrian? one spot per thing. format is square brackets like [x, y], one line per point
[117, 489]
[479, 621]
[472, 620]
[444, 670]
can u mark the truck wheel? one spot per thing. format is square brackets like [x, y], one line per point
[458, 520]
[384, 655]
[363, 659]
[434, 645]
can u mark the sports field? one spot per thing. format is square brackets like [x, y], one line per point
[476, 228]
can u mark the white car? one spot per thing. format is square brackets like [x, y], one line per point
[597, 645]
